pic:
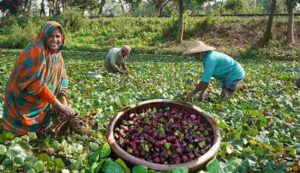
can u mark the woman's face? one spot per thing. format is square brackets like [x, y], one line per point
[54, 40]
[199, 55]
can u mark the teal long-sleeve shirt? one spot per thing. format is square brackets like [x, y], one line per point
[222, 67]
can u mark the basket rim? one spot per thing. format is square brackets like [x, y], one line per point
[191, 165]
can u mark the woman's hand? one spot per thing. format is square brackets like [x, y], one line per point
[189, 96]
[65, 109]
[201, 97]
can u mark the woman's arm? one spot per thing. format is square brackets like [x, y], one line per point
[200, 87]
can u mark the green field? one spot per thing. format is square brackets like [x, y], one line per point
[260, 127]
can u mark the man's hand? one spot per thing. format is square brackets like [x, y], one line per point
[124, 72]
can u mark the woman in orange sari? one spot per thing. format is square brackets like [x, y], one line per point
[37, 83]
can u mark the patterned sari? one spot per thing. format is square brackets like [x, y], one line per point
[24, 109]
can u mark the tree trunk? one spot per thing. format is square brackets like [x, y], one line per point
[268, 34]
[163, 5]
[84, 7]
[122, 6]
[180, 22]
[290, 30]
[57, 7]
[221, 8]
[101, 5]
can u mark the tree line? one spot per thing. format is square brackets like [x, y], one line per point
[158, 8]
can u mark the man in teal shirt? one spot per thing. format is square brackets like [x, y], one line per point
[218, 65]
[116, 58]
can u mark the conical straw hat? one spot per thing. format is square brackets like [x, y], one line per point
[198, 46]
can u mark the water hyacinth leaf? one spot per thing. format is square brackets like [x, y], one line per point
[19, 160]
[229, 148]
[2, 149]
[105, 150]
[65, 171]
[274, 167]
[32, 136]
[98, 167]
[214, 166]
[39, 166]
[31, 171]
[232, 165]
[56, 145]
[93, 145]
[180, 170]
[93, 167]
[109, 166]
[123, 164]
[139, 169]
[44, 157]
[59, 162]
[25, 145]
[9, 135]
[94, 157]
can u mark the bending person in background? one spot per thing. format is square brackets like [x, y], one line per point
[116, 59]
[218, 65]
[297, 82]
[36, 83]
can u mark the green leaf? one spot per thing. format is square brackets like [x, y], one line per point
[2, 149]
[123, 164]
[112, 167]
[9, 135]
[94, 157]
[233, 164]
[139, 169]
[180, 170]
[44, 157]
[94, 146]
[105, 151]
[32, 136]
[59, 162]
[39, 166]
[214, 166]
[98, 167]
[31, 171]
[229, 148]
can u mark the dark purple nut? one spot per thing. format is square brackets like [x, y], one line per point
[179, 150]
[122, 134]
[162, 160]
[133, 145]
[173, 111]
[177, 160]
[184, 158]
[162, 142]
[136, 152]
[174, 156]
[157, 143]
[193, 117]
[156, 160]
[191, 155]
